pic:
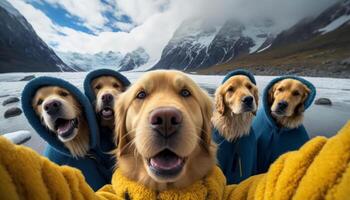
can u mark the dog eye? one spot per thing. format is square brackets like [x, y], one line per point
[40, 101]
[230, 89]
[295, 93]
[141, 95]
[97, 87]
[185, 93]
[63, 93]
[280, 89]
[115, 85]
[249, 86]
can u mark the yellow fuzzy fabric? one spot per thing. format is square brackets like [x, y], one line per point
[319, 170]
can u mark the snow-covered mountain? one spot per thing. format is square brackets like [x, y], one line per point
[134, 59]
[110, 59]
[329, 20]
[88, 62]
[197, 44]
[21, 49]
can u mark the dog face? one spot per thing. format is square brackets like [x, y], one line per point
[164, 131]
[106, 90]
[59, 111]
[287, 98]
[237, 95]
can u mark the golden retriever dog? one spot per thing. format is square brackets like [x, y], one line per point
[286, 98]
[164, 132]
[106, 90]
[60, 112]
[236, 102]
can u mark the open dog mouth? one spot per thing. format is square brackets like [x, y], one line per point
[65, 127]
[107, 113]
[166, 164]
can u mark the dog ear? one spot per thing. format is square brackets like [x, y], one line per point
[271, 96]
[219, 101]
[206, 105]
[256, 97]
[299, 108]
[121, 138]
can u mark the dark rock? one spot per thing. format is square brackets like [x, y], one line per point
[12, 112]
[27, 78]
[10, 100]
[323, 101]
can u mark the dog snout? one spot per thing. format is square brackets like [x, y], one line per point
[107, 98]
[248, 100]
[165, 120]
[52, 107]
[282, 105]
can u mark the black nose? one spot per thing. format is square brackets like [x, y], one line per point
[248, 100]
[107, 98]
[52, 107]
[282, 105]
[165, 120]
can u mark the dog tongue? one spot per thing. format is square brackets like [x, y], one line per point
[107, 112]
[64, 127]
[165, 162]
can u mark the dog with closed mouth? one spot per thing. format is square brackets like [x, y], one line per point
[65, 119]
[103, 87]
[278, 124]
[236, 102]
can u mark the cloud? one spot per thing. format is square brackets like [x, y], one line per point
[153, 22]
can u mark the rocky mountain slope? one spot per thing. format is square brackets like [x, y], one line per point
[134, 59]
[316, 46]
[21, 49]
[197, 44]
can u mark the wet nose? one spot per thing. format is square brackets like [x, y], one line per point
[107, 98]
[52, 107]
[165, 120]
[248, 100]
[282, 105]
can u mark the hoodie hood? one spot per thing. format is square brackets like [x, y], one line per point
[239, 72]
[101, 72]
[307, 103]
[27, 96]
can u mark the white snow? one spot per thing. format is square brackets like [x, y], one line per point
[319, 120]
[335, 24]
[18, 137]
[263, 49]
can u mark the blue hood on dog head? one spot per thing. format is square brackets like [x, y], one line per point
[101, 72]
[27, 96]
[307, 103]
[240, 72]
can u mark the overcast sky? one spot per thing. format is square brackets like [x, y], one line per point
[91, 26]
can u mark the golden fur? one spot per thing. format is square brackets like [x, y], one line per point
[137, 142]
[106, 85]
[79, 145]
[230, 117]
[294, 93]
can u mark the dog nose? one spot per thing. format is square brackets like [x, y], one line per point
[52, 107]
[165, 120]
[248, 100]
[282, 105]
[107, 98]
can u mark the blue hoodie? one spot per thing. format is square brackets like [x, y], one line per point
[96, 166]
[272, 139]
[237, 159]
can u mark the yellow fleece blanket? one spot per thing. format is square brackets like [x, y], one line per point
[319, 170]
